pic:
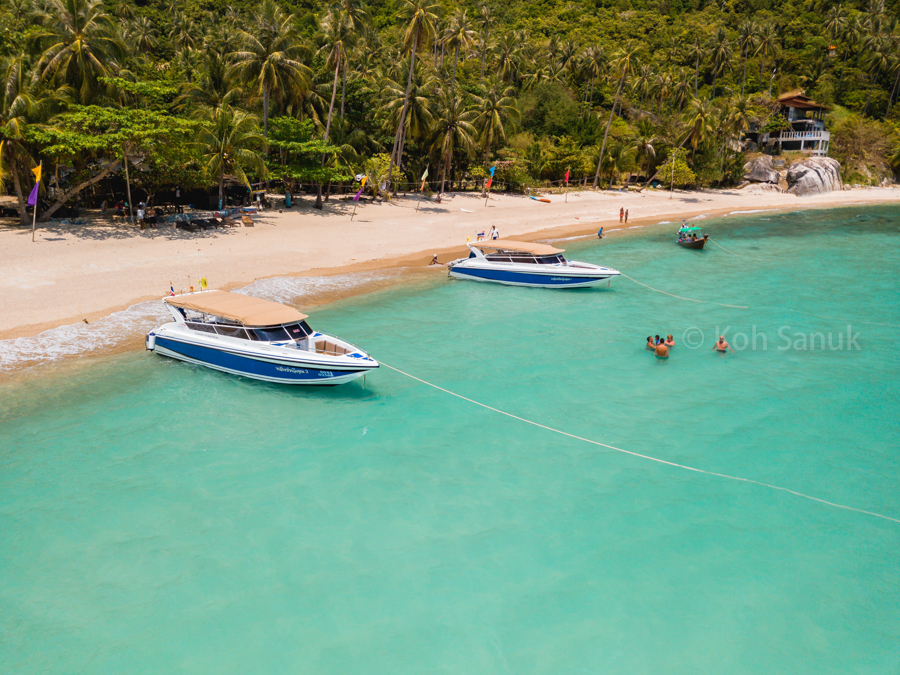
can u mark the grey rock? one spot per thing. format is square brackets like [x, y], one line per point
[814, 176]
[761, 188]
[760, 170]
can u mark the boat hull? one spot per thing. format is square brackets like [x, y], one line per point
[556, 279]
[695, 245]
[254, 366]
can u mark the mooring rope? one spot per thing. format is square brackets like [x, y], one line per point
[784, 309]
[637, 454]
[722, 304]
[739, 255]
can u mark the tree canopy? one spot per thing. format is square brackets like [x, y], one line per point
[310, 93]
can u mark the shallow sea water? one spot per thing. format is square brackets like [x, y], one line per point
[159, 517]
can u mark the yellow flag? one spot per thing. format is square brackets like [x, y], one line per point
[203, 282]
[37, 173]
[362, 183]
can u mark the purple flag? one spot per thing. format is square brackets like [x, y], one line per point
[356, 198]
[32, 198]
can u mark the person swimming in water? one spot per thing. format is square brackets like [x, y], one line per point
[651, 343]
[722, 346]
[670, 341]
[662, 351]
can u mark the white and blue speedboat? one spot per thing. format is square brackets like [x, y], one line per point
[255, 338]
[519, 263]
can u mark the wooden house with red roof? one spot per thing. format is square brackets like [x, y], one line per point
[807, 120]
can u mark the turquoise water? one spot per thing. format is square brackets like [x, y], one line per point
[156, 517]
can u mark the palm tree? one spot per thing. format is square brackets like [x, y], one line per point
[19, 108]
[459, 34]
[355, 15]
[182, 33]
[508, 49]
[767, 44]
[619, 160]
[493, 112]
[338, 38]
[142, 35]
[644, 142]
[681, 90]
[701, 118]
[662, 84]
[213, 87]
[746, 42]
[720, 50]
[854, 33]
[485, 23]
[230, 143]
[835, 22]
[420, 16]
[452, 128]
[594, 64]
[267, 58]
[418, 103]
[696, 51]
[643, 82]
[621, 66]
[878, 60]
[80, 45]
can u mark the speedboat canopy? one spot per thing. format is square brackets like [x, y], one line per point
[518, 246]
[241, 308]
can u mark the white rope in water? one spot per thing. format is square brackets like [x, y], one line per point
[637, 454]
[784, 309]
[739, 255]
[722, 304]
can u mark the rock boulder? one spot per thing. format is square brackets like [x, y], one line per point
[760, 170]
[761, 188]
[814, 176]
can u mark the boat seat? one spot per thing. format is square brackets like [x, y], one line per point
[327, 347]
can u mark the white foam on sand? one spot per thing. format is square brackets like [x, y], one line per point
[136, 321]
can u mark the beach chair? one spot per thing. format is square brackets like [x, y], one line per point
[247, 221]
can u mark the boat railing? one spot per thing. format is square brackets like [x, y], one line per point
[325, 341]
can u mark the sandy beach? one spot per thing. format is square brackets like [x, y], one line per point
[76, 272]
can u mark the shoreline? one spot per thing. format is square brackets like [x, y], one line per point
[416, 263]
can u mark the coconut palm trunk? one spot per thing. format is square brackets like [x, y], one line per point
[20, 196]
[343, 90]
[266, 112]
[412, 64]
[337, 70]
[608, 125]
[483, 49]
[455, 63]
[744, 76]
[696, 73]
[893, 91]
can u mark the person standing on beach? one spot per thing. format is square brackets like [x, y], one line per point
[103, 208]
[621, 215]
[495, 234]
[626, 215]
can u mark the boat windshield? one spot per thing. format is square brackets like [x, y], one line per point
[515, 257]
[551, 260]
[293, 331]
